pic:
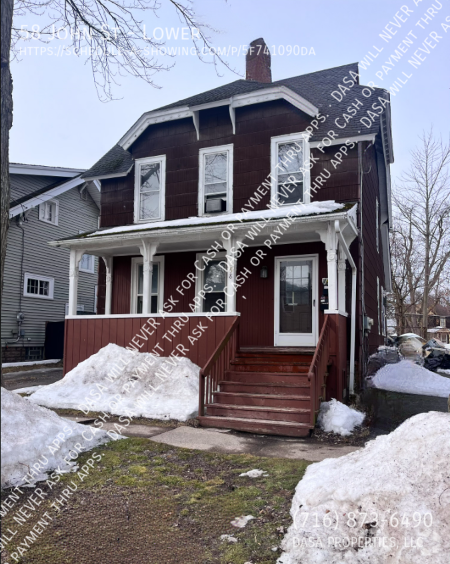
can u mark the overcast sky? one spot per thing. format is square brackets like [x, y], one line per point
[59, 120]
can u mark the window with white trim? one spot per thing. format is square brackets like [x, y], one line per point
[149, 189]
[137, 285]
[87, 262]
[290, 169]
[211, 283]
[36, 286]
[215, 180]
[49, 212]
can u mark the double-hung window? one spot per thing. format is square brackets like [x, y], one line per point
[216, 180]
[36, 286]
[87, 262]
[149, 192]
[211, 284]
[49, 212]
[156, 287]
[290, 169]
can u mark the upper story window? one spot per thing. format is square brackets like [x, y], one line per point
[149, 190]
[49, 212]
[290, 169]
[216, 180]
[36, 286]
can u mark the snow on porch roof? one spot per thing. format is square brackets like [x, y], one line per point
[298, 210]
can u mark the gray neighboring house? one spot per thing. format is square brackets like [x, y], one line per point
[47, 204]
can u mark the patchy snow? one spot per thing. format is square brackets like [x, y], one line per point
[34, 435]
[335, 417]
[298, 210]
[409, 378]
[391, 499]
[30, 363]
[28, 390]
[254, 473]
[444, 371]
[240, 522]
[123, 382]
[228, 538]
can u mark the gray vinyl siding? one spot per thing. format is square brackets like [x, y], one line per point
[39, 258]
[24, 184]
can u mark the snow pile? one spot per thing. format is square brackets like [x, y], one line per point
[241, 521]
[388, 502]
[123, 382]
[28, 390]
[254, 473]
[37, 440]
[335, 417]
[410, 378]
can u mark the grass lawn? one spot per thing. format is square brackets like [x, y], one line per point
[148, 503]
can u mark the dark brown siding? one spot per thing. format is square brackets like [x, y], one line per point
[373, 260]
[177, 140]
[343, 184]
[121, 297]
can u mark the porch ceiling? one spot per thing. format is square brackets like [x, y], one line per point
[199, 236]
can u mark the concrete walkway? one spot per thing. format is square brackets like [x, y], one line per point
[232, 442]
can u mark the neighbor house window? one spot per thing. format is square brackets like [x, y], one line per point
[216, 180]
[290, 169]
[36, 286]
[80, 307]
[211, 282]
[49, 212]
[156, 289]
[149, 194]
[87, 264]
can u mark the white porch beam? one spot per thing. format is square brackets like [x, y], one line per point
[329, 238]
[148, 250]
[108, 294]
[75, 257]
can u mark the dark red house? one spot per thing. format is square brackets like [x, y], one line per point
[247, 228]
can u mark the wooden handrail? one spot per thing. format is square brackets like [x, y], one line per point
[217, 365]
[320, 344]
[215, 355]
[316, 379]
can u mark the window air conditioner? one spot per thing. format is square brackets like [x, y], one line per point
[215, 205]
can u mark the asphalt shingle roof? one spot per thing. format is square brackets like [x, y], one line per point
[315, 87]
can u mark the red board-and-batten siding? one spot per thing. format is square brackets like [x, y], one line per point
[84, 337]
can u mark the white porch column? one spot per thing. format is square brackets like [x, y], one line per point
[148, 250]
[108, 294]
[330, 241]
[341, 280]
[231, 247]
[75, 257]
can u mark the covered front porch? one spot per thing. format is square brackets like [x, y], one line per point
[215, 290]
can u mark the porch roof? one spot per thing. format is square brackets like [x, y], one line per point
[194, 233]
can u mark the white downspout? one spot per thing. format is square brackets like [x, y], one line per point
[353, 313]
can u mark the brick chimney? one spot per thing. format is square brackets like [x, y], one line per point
[258, 62]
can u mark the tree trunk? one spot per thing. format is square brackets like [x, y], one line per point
[6, 124]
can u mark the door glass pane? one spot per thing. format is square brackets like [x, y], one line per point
[211, 299]
[215, 276]
[296, 296]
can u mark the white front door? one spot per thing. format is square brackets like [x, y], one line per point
[296, 304]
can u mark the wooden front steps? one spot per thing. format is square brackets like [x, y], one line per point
[265, 391]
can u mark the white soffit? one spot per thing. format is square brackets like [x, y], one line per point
[240, 100]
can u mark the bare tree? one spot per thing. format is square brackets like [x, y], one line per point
[110, 34]
[421, 236]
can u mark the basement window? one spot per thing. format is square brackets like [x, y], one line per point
[35, 286]
[290, 169]
[216, 180]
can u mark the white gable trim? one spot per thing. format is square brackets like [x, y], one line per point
[41, 198]
[240, 100]
[40, 170]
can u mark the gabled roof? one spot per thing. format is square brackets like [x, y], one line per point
[314, 89]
